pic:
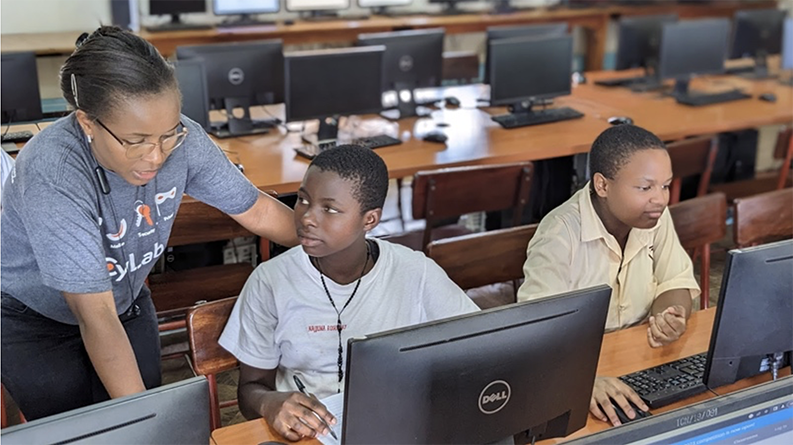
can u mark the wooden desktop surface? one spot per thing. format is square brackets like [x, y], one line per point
[593, 20]
[622, 352]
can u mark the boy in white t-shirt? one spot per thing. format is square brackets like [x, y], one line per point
[297, 311]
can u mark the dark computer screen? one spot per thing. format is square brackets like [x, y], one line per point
[693, 47]
[640, 41]
[757, 31]
[753, 318]
[762, 414]
[20, 88]
[480, 377]
[508, 32]
[193, 85]
[333, 82]
[787, 45]
[172, 414]
[173, 7]
[250, 70]
[412, 59]
[530, 68]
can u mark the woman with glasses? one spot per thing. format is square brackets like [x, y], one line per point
[87, 212]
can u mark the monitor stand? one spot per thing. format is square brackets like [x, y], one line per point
[328, 132]
[760, 70]
[385, 11]
[245, 20]
[177, 25]
[240, 126]
[407, 107]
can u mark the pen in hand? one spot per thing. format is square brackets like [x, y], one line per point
[302, 388]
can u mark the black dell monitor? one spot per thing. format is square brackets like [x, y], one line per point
[524, 370]
[510, 31]
[757, 33]
[240, 75]
[525, 70]
[692, 47]
[327, 84]
[753, 331]
[172, 414]
[413, 59]
[640, 42]
[174, 8]
[20, 88]
[762, 414]
[192, 81]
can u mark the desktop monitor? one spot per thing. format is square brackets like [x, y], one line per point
[240, 75]
[193, 85]
[380, 7]
[20, 88]
[174, 8]
[757, 33]
[317, 8]
[325, 84]
[510, 31]
[524, 370]
[692, 47]
[245, 7]
[177, 413]
[526, 69]
[640, 41]
[787, 45]
[412, 59]
[752, 332]
[762, 414]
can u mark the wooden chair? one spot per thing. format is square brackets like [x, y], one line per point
[690, 157]
[699, 222]
[484, 258]
[447, 193]
[461, 67]
[764, 218]
[174, 292]
[205, 323]
[767, 183]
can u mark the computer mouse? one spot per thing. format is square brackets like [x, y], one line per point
[768, 97]
[452, 101]
[435, 136]
[620, 120]
[289, 22]
[640, 414]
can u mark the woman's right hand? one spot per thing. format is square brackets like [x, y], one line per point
[294, 415]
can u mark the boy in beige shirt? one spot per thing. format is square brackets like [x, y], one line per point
[617, 230]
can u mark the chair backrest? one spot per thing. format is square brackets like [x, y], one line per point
[483, 258]
[700, 221]
[197, 222]
[690, 157]
[784, 151]
[764, 218]
[449, 192]
[205, 323]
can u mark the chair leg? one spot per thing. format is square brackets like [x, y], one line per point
[214, 404]
[399, 203]
[704, 279]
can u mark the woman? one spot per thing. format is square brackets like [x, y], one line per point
[88, 210]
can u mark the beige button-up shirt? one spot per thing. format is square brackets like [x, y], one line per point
[572, 250]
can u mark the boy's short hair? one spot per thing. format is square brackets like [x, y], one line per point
[613, 148]
[363, 167]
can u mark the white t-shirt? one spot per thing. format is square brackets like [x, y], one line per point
[283, 318]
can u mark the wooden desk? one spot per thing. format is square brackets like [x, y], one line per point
[622, 352]
[593, 20]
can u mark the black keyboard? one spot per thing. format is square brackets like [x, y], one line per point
[244, 23]
[17, 136]
[740, 70]
[698, 100]
[621, 82]
[372, 142]
[178, 27]
[670, 382]
[537, 117]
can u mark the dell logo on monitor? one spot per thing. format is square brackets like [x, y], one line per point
[236, 76]
[405, 63]
[494, 397]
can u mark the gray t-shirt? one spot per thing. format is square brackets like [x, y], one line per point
[61, 233]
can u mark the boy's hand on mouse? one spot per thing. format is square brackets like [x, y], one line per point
[667, 326]
[611, 388]
[294, 415]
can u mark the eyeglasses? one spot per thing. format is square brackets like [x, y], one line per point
[138, 150]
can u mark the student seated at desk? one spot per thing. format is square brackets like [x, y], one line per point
[296, 311]
[617, 230]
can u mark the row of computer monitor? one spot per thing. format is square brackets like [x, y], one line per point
[524, 370]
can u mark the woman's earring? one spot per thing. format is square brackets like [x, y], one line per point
[90, 139]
